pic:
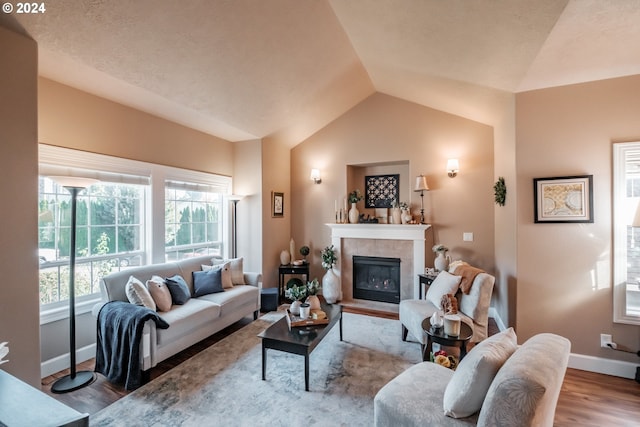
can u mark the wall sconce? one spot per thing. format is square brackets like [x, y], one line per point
[452, 167]
[315, 176]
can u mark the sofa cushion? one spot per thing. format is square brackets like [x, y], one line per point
[186, 318]
[470, 382]
[237, 272]
[227, 283]
[160, 293]
[178, 288]
[525, 390]
[207, 282]
[444, 283]
[138, 294]
[231, 299]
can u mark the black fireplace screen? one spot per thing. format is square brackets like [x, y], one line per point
[376, 278]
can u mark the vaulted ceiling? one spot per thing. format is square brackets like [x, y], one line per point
[247, 69]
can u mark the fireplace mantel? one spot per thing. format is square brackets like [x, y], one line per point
[415, 233]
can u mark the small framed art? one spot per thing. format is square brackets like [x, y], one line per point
[277, 204]
[563, 199]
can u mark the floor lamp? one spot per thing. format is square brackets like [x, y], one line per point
[421, 186]
[235, 199]
[74, 380]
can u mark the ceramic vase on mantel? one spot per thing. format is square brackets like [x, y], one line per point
[441, 263]
[406, 216]
[396, 216]
[354, 214]
[331, 287]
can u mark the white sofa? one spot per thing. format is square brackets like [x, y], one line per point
[190, 323]
[490, 387]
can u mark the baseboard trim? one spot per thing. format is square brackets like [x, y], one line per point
[57, 364]
[616, 368]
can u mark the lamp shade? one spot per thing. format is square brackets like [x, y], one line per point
[421, 183]
[453, 165]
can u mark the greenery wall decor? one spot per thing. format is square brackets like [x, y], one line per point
[500, 191]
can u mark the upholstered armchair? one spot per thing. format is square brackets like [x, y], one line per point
[473, 307]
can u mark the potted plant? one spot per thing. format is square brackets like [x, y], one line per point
[313, 287]
[304, 251]
[354, 214]
[296, 291]
[330, 281]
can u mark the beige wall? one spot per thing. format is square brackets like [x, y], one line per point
[75, 119]
[564, 270]
[19, 306]
[385, 129]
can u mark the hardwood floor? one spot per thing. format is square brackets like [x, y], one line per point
[586, 398]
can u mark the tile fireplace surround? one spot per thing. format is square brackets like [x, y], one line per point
[407, 242]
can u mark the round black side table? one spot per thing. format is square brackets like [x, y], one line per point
[438, 336]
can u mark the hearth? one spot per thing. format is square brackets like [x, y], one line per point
[376, 278]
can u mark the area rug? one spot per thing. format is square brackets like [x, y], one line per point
[223, 384]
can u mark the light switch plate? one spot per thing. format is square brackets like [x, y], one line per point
[467, 237]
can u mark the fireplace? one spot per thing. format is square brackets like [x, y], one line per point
[376, 278]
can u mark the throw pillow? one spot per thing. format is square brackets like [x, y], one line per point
[235, 265]
[227, 283]
[178, 288]
[207, 282]
[160, 293]
[138, 294]
[444, 283]
[475, 373]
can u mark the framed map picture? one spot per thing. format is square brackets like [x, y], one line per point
[563, 199]
[381, 190]
[277, 204]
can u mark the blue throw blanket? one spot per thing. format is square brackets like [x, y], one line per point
[120, 327]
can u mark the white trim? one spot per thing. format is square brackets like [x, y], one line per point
[617, 368]
[600, 365]
[60, 309]
[59, 363]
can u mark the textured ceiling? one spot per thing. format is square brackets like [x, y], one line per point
[245, 69]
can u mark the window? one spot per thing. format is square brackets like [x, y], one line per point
[193, 223]
[138, 213]
[109, 235]
[626, 252]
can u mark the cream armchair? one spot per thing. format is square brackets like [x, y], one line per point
[473, 307]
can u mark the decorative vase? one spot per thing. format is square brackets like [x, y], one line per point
[285, 257]
[292, 250]
[295, 308]
[396, 216]
[441, 263]
[354, 214]
[314, 302]
[406, 217]
[331, 287]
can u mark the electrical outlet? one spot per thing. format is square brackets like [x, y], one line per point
[467, 237]
[604, 340]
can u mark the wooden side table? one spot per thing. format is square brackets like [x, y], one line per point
[290, 269]
[438, 336]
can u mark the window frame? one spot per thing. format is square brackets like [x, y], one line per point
[65, 161]
[621, 219]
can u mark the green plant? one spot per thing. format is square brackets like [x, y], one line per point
[297, 292]
[500, 191]
[313, 287]
[329, 257]
[304, 251]
[355, 196]
[439, 248]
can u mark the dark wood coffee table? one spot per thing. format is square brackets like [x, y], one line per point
[300, 340]
[438, 336]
